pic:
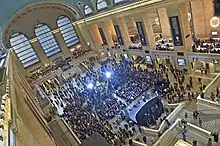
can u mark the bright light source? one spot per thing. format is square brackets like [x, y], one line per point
[214, 22]
[108, 74]
[90, 86]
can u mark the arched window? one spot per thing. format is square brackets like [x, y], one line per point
[47, 40]
[101, 4]
[87, 10]
[118, 1]
[67, 30]
[23, 49]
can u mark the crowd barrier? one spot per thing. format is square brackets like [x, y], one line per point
[212, 86]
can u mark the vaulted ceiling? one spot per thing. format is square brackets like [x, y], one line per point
[9, 8]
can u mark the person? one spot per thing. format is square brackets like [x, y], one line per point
[199, 80]
[202, 95]
[144, 139]
[194, 143]
[186, 115]
[133, 130]
[212, 96]
[206, 71]
[191, 82]
[201, 69]
[184, 135]
[130, 142]
[139, 127]
[209, 142]
[200, 122]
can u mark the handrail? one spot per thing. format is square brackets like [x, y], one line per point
[176, 123]
[202, 132]
[207, 91]
[190, 127]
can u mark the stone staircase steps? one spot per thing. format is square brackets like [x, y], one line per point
[212, 126]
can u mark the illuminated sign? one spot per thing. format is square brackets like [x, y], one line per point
[176, 31]
[181, 62]
[141, 33]
[148, 58]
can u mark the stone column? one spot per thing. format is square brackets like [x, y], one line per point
[149, 34]
[144, 17]
[81, 38]
[181, 35]
[65, 51]
[108, 32]
[86, 34]
[208, 14]
[164, 22]
[95, 35]
[39, 51]
[198, 19]
[120, 21]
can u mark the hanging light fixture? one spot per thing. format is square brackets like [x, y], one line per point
[214, 22]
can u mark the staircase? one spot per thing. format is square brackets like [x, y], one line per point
[212, 126]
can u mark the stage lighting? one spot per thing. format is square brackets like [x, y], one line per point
[108, 74]
[90, 86]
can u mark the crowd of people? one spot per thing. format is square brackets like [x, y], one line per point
[164, 45]
[88, 101]
[181, 90]
[62, 63]
[206, 46]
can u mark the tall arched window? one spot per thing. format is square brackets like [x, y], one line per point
[87, 10]
[118, 1]
[101, 4]
[67, 30]
[23, 49]
[47, 40]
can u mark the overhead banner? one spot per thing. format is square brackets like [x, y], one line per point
[118, 34]
[176, 31]
[141, 33]
[102, 36]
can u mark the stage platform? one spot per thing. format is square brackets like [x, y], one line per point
[132, 111]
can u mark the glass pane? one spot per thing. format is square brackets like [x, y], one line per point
[101, 4]
[117, 1]
[24, 52]
[31, 62]
[22, 47]
[24, 57]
